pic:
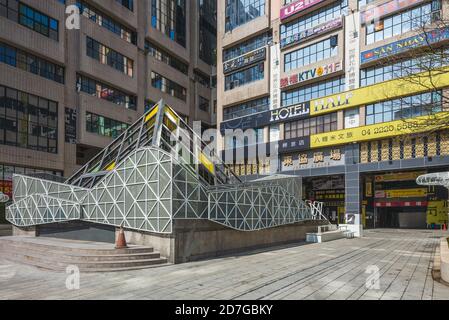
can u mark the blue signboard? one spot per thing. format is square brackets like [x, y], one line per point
[400, 46]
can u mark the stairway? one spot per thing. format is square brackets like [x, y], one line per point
[328, 233]
[57, 254]
[5, 230]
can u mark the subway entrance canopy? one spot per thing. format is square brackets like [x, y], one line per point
[156, 171]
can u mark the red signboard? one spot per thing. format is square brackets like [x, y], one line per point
[392, 204]
[6, 187]
[297, 6]
[373, 12]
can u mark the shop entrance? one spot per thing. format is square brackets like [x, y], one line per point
[394, 200]
[331, 191]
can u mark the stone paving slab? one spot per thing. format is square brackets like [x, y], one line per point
[330, 270]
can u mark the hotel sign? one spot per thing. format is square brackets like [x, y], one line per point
[373, 12]
[400, 46]
[311, 74]
[245, 60]
[262, 119]
[312, 32]
[297, 6]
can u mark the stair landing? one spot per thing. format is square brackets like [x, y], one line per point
[88, 256]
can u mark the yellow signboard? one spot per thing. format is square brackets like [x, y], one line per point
[399, 176]
[207, 163]
[383, 91]
[402, 193]
[373, 132]
[437, 212]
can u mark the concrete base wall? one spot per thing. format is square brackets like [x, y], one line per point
[200, 239]
[444, 259]
[191, 239]
[29, 231]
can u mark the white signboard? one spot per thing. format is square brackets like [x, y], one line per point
[352, 52]
[352, 119]
[275, 77]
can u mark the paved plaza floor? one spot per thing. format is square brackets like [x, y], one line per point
[340, 269]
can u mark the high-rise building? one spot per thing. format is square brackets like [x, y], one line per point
[66, 92]
[319, 82]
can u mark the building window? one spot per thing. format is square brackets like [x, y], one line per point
[239, 12]
[247, 108]
[313, 91]
[311, 54]
[107, 22]
[38, 21]
[398, 24]
[325, 14]
[208, 32]
[109, 57]
[28, 121]
[168, 86]
[165, 57]
[307, 127]
[363, 3]
[169, 17]
[104, 126]
[202, 79]
[106, 92]
[128, 4]
[404, 68]
[404, 108]
[203, 104]
[247, 46]
[245, 76]
[30, 63]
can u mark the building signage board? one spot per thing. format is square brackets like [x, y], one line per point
[387, 90]
[275, 77]
[311, 32]
[245, 60]
[297, 6]
[374, 12]
[373, 132]
[295, 144]
[270, 117]
[352, 52]
[400, 46]
[313, 159]
[314, 73]
[401, 193]
[70, 125]
[398, 176]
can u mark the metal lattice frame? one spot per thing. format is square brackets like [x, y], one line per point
[38, 209]
[145, 187]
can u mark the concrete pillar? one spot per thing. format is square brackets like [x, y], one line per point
[352, 188]
[24, 231]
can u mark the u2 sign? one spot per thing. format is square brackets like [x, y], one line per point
[297, 6]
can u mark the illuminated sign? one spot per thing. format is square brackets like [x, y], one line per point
[311, 74]
[419, 40]
[352, 52]
[373, 132]
[262, 119]
[373, 12]
[245, 60]
[311, 32]
[382, 91]
[313, 159]
[297, 6]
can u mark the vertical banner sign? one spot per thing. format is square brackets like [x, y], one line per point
[352, 53]
[275, 77]
[275, 87]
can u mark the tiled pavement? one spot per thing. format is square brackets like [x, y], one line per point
[332, 270]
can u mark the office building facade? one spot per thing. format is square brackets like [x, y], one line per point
[66, 93]
[319, 84]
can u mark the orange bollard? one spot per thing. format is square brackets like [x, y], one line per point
[121, 241]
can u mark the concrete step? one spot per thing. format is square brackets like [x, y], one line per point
[45, 253]
[27, 242]
[318, 237]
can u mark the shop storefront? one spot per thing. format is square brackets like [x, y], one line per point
[394, 200]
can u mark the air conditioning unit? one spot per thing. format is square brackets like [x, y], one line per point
[78, 87]
[334, 41]
[436, 16]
